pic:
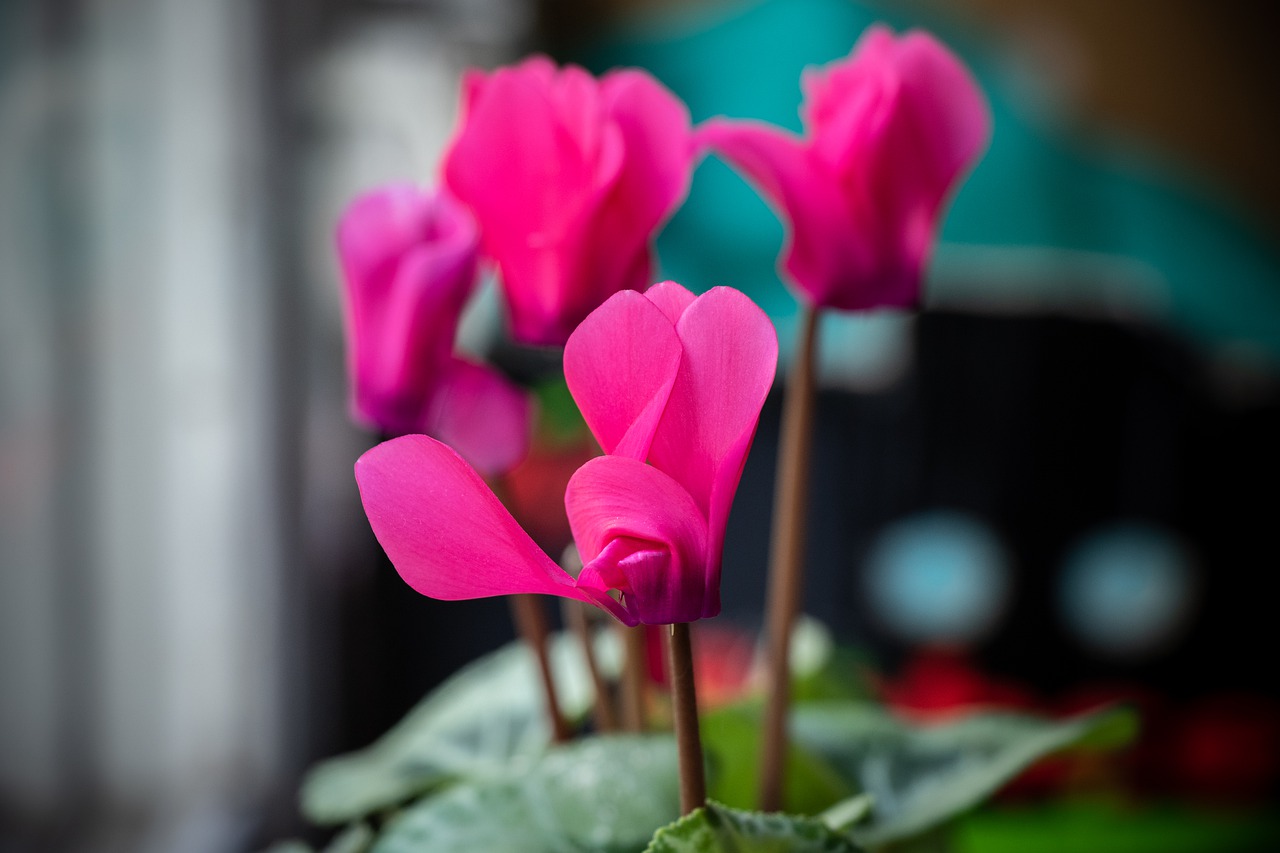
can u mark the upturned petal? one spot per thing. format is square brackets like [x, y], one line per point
[408, 259]
[620, 386]
[641, 534]
[654, 127]
[569, 178]
[671, 298]
[823, 254]
[447, 534]
[478, 413]
[889, 132]
[730, 353]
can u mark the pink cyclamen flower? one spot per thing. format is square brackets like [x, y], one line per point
[569, 178]
[888, 132]
[661, 376]
[409, 265]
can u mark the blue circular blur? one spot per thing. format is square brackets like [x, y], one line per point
[938, 577]
[1126, 590]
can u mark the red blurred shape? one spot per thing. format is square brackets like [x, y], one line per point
[940, 683]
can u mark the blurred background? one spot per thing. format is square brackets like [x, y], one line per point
[1052, 487]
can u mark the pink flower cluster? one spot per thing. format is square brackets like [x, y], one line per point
[671, 386]
[560, 181]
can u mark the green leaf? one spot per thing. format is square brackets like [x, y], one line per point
[599, 794]
[720, 829]
[920, 776]
[846, 813]
[731, 742]
[1119, 827]
[487, 720]
[559, 421]
[356, 838]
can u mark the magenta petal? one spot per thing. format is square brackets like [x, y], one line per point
[446, 533]
[671, 298]
[890, 129]
[730, 355]
[481, 415]
[826, 110]
[824, 248]
[408, 259]
[532, 186]
[569, 177]
[620, 364]
[652, 129]
[654, 125]
[640, 532]
[947, 102]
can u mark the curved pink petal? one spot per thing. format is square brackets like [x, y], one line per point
[408, 259]
[532, 185]
[639, 532]
[478, 413]
[938, 129]
[655, 130]
[570, 178]
[620, 364]
[827, 88]
[890, 130]
[445, 532]
[947, 100]
[652, 129]
[730, 355]
[671, 298]
[824, 250]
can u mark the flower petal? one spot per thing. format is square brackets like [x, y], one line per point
[824, 250]
[569, 178]
[661, 553]
[659, 151]
[446, 533]
[532, 185]
[947, 101]
[730, 355]
[478, 413]
[408, 259]
[896, 124]
[671, 298]
[620, 364]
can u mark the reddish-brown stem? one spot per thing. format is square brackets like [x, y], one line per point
[579, 616]
[531, 623]
[786, 557]
[684, 710]
[634, 678]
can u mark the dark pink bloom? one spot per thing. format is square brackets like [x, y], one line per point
[888, 132]
[409, 264]
[662, 376]
[569, 178]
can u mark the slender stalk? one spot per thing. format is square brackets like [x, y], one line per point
[531, 622]
[634, 679]
[579, 615]
[786, 558]
[684, 708]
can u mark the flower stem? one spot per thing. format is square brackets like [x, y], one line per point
[634, 678]
[531, 623]
[786, 558]
[579, 615]
[684, 707]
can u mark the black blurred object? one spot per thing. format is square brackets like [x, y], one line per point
[1044, 428]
